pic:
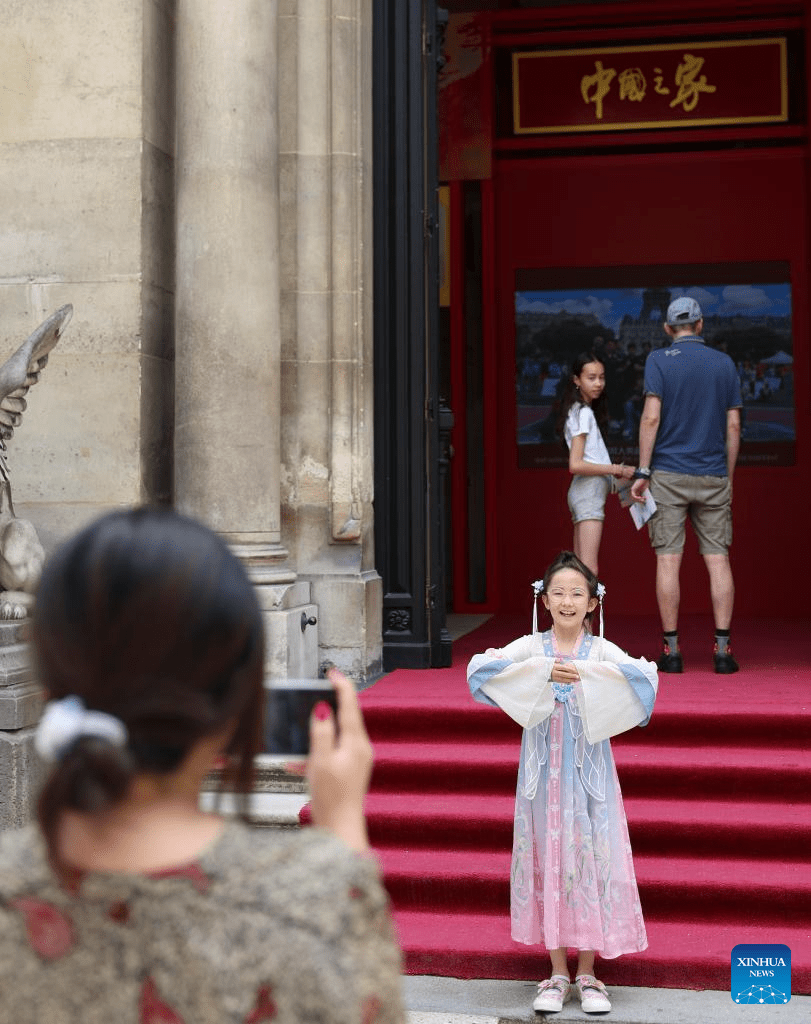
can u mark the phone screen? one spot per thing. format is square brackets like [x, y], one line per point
[288, 706]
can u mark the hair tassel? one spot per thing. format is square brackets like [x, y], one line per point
[537, 588]
[600, 596]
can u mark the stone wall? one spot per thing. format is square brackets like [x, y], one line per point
[87, 178]
[86, 137]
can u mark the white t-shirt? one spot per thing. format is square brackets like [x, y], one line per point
[581, 421]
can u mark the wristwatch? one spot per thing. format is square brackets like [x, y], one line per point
[642, 473]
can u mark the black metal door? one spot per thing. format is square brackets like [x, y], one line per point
[410, 450]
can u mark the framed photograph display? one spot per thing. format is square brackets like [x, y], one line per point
[618, 313]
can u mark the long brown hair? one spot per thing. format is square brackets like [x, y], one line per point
[571, 395]
[146, 615]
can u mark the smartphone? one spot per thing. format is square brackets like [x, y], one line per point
[288, 706]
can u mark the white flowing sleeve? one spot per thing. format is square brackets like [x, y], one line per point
[615, 693]
[516, 679]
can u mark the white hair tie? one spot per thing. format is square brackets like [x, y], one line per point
[67, 720]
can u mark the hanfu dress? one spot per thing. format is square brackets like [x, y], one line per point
[572, 880]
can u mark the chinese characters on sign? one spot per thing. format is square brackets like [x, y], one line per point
[670, 85]
[690, 85]
[595, 87]
[633, 85]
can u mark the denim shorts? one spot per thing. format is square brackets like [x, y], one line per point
[587, 496]
[705, 499]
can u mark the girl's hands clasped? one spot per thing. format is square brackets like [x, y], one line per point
[340, 765]
[564, 672]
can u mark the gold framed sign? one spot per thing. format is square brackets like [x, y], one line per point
[669, 85]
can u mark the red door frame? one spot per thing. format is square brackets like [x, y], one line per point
[526, 28]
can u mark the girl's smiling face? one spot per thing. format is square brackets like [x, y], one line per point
[568, 600]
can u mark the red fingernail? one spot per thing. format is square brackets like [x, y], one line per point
[322, 710]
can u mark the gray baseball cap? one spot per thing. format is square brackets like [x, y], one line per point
[683, 311]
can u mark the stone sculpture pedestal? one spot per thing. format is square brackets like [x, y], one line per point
[21, 703]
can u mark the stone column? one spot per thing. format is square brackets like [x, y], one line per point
[326, 274]
[20, 707]
[227, 418]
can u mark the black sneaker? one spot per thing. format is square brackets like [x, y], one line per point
[725, 664]
[670, 661]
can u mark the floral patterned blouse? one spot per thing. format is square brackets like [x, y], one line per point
[263, 926]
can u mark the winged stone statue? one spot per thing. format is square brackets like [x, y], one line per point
[21, 554]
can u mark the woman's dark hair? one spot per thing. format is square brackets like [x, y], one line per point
[571, 395]
[569, 560]
[146, 615]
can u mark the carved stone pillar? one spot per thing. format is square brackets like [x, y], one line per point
[227, 404]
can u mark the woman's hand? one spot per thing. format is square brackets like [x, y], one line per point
[564, 672]
[340, 765]
[626, 472]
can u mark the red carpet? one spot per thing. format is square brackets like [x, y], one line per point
[716, 791]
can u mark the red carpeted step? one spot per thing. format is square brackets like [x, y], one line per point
[726, 772]
[428, 878]
[680, 955]
[683, 888]
[439, 819]
[456, 717]
[742, 722]
[713, 828]
[719, 828]
[447, 767]
[679, 888]
[644, 769]
[448, 717]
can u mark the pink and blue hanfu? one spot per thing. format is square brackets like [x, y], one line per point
[572, 881]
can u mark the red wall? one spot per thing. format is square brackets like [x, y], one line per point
[672, 208]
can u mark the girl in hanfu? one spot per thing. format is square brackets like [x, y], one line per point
[572, 880]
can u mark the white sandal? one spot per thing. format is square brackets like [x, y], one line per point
[593, 994]
[552, 994]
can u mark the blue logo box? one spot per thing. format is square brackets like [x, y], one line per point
[761, 973]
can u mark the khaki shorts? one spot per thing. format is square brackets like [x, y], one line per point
[587, 496]
[705, 499]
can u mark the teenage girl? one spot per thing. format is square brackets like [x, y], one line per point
[127, 900]
[572, 883]
[583, 412]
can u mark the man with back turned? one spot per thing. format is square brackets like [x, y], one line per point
[689, 437]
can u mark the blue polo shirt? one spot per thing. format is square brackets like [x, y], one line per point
[697, 386]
